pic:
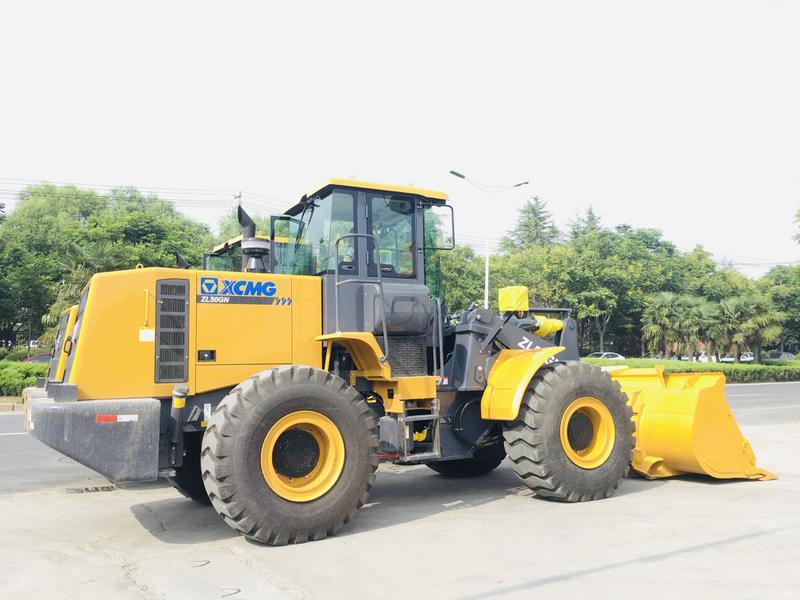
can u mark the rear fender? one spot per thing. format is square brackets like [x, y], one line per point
[509, 378]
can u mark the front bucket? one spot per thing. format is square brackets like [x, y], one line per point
[684, 425]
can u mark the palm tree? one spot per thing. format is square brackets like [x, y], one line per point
[691, 324]
[660, 319]
[728, 331]
[762, 323]
[709, 313]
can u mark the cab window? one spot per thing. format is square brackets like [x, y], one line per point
[392, 220]
[324, 220]
[229, 259]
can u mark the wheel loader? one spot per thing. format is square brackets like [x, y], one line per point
[272, 382]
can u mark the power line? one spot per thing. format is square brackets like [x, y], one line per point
[186, 203]
[262, 200]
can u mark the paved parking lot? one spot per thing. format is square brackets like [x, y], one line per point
[65, 533]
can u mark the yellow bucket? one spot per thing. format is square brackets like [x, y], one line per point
[684, 425]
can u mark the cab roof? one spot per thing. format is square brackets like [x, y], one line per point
[382, 187]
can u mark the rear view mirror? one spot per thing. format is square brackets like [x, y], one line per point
[438, 227]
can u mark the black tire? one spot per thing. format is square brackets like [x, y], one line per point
[482, 462]
[188, 479]
[231, 462]
[533, 440]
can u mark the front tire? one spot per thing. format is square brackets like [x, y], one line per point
[290, 455]
[573, 437]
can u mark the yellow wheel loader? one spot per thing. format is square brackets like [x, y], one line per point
[273, 381]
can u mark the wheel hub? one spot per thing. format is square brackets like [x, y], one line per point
[296, 453]
[302, 456]
[579, 431]
[587, 432]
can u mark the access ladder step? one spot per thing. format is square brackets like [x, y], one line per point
[430, 417]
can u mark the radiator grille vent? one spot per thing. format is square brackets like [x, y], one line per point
[172, 330]
[406, 355]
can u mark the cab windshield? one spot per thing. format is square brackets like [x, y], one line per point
[315, 231]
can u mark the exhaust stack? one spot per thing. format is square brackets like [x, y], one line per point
[255, 250]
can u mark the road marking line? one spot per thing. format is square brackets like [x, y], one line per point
[12, 414]
[17, 433]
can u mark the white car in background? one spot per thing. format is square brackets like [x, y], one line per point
[606, 355]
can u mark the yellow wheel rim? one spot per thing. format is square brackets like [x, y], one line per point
[302, 456]
[587, 432]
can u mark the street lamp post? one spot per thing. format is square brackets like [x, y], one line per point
[488, 189]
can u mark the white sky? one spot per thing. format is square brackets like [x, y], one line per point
[683, 116]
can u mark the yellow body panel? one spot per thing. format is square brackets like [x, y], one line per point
[306, 321]
[110, 361]
[509, 378]
[364, 349]
[513, 299]
[115, 349]
[422, 387]
[684, 425]
[246, 334]
[66, 348]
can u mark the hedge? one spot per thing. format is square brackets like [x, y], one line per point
[16, 376]
[18, 353]
[734, 373]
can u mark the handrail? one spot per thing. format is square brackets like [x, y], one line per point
[437, 339]
[379, 283]
[440, 321]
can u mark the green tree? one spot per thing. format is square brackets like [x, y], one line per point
[761, 324]
[660, 323]
[696, 267]
[58, 236]
[727, 330]
[460, 273]
[782, 286]
[589, 222]
[534, 227]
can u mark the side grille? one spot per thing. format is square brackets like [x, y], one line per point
[406, 355]
[172, 330]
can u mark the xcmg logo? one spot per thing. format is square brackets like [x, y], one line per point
[232, 291]
[211, 286]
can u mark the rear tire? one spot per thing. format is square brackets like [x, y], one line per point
[280, 434]
[573, 437]
[188, 479]
[484, 461]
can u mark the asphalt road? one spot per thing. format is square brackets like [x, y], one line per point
[63, 535]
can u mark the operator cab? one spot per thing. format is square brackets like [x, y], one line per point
[343, 233]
